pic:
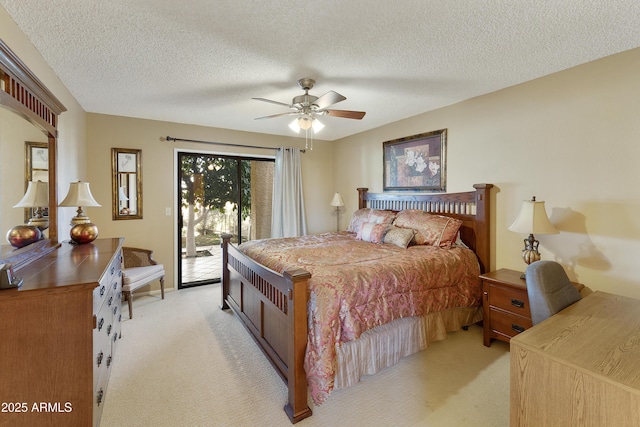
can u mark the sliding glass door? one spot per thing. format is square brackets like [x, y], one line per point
[219, 194]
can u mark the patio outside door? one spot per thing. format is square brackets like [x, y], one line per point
[219, 194]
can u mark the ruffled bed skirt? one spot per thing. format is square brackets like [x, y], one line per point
[385, 345]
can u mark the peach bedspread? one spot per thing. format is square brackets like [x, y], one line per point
[356, 286]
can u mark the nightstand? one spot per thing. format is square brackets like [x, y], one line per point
[505, 305]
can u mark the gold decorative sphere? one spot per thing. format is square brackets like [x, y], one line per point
[23, 235]
[84, 233]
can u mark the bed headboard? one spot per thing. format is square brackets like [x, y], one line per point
[472, 207]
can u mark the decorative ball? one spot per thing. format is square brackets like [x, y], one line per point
[23, 235]
[84, 233]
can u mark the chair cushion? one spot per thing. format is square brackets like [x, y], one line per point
[136, 277]
[549, 290]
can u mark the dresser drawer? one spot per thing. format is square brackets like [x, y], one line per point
[511, 300]
[508, 324]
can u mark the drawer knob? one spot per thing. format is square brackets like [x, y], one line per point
[99, 360]
[102, 289]
[99, 396]
[517, 328]
[108, 330]
[517, 303]
[108, 361]
[100, 323]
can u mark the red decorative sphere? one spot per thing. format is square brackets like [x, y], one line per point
[84, 233]
[23, 235]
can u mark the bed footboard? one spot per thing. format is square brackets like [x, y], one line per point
[273, 308]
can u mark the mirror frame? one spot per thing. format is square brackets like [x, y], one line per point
[23, 93]
[129, 170]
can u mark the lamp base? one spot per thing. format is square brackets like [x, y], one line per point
[84, 233]
[23, 235]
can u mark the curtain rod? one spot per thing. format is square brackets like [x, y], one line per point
[170, 138]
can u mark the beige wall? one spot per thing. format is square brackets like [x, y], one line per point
[572, 139]
[157, 230]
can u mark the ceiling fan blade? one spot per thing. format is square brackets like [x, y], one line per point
[272, 102]
[292, 113]
[328, 99]
[345, 114]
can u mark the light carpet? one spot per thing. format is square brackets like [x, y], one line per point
[182, 361]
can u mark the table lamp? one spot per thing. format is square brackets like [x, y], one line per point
[532, 220]
[338, 203]
[82, 230]
[37, 196]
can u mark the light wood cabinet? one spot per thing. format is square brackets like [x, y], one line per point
[58, 336]
[579, 367]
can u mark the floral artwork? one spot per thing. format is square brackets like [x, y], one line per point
[415, 163]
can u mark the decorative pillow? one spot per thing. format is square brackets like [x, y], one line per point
[372, 232]
[359, 217]
[434, 230]
[400, 237]
[381, 217]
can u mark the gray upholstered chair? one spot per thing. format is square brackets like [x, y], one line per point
[549, 289]
[139, 270]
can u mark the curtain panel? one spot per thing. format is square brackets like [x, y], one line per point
[288, 216]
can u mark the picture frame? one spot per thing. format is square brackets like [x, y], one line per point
[126, 183]
[36, 169]
[416, 163]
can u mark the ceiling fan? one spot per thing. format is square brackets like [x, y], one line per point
[308, 108]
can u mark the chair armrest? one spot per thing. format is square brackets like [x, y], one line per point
[137, 257]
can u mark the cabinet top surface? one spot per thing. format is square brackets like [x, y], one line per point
[68, 265]
[599, 334]
[505, 276]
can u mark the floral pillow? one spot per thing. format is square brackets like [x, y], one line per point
[372, 232]
[400, 237]
[381, 217]
[434, 230]
[359, 217]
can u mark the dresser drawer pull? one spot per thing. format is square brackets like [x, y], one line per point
[113, 270]
[108, 330]
[102, 289]
[108, 361]
[115, 310]
[100, 323]
[517, 328]
[99, 396]
[110, 300]
[115, 337]
[99, 360]
[517, 303]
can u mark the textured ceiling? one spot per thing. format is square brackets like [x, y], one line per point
[201, 61]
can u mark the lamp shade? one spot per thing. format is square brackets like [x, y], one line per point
[37, 195]
[79, 195]
[533, 219]
[337, 200]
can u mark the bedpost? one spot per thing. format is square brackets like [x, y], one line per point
[362, 198]
[297, 407]
[226, 239]
[483, 203]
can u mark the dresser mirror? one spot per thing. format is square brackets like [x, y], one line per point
[28, 112]
[126, 183]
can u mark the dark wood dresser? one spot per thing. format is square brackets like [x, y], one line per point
[58, 336]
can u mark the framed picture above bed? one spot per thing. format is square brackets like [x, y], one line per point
[416, 163]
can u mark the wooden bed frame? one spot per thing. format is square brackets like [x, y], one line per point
[273, 306]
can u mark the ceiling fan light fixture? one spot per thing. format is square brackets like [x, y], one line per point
[294, 126]
[317, 125]
[305, 122]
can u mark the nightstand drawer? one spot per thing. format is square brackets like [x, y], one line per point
[511, 300]
[508, 324]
